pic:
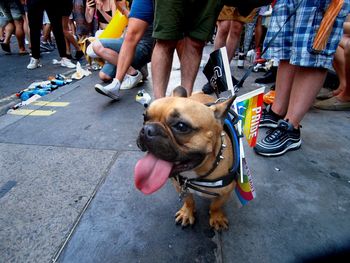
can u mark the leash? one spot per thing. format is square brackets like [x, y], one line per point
[250, 69]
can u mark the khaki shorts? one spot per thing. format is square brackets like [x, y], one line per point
[231, 13]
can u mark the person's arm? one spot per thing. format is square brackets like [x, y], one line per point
[112, 5]
[123, 7]
[90, 10]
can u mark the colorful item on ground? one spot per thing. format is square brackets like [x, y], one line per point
[115, 27]
[245, 190]
[249, 109]
[269, 97]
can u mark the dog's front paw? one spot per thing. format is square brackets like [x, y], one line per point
[185, 216]
[218, 220]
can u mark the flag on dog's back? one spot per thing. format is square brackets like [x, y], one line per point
[245, 190]
[249, 109]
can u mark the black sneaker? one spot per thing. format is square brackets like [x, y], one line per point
[279, 140]
[269, 77]
[269, 119]
[208, 89]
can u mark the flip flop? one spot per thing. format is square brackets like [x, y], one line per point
[23, 53]
[6, 47]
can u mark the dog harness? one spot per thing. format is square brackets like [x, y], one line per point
[196, 184]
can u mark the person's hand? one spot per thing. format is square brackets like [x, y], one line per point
[90, 3]
[99, 5]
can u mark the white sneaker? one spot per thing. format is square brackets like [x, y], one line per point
[111, 90]
[65, 62]
[130, 82]
[34, 63]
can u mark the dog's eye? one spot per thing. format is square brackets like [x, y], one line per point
[182, 127]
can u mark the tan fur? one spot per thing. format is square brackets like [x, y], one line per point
[206, 139]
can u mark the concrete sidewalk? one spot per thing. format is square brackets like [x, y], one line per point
[67, 191]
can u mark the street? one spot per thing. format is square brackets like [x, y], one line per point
[67, 191]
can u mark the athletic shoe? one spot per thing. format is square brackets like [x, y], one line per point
[45, 47]
[130, 81]
[279, 140]
[208, 89]
[269, 119]
[269, 77]
[65, 62]
[111, 90]
[144, 72]
[34, 63]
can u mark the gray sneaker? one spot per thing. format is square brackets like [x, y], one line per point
[111, 90]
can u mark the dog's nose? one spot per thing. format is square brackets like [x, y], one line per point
[149, 130]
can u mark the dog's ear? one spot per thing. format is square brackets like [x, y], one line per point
[221, 109]
[179, 91]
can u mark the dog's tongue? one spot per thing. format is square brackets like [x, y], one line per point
[151, 173]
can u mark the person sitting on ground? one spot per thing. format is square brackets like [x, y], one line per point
[11, 19]
[126, 56]
[339, 99]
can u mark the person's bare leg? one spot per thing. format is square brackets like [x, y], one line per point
[339, 66]
[307, 82]
[109, 54]
[19, 32]
[223, 28]
[190, 60]
[161, 62]
[284, 80]
[67, 33]
[9, 29]
[135, 31]
[233, 38]
[344, 95]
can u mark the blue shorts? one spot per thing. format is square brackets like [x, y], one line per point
[9, 11]
[143, 10]
[294, 42]
[141, 58]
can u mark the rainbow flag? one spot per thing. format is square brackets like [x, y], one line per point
[249, 109]
[245, 190]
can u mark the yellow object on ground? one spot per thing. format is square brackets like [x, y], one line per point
[115, 27]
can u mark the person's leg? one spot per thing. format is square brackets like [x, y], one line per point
[161, 62]
[35, 19]
[56, 23]
[67, 33]
[284, 82]
[190, 60]
[345, 94]
[9, 29]
[135, 31]
[233, 38]
[306, 84]
[339, 67]
[223, 28]
[19, 32]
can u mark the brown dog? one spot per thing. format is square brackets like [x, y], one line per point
[185, 141]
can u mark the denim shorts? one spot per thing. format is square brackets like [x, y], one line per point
[294, 42]
[141, 58]
[9, 11]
